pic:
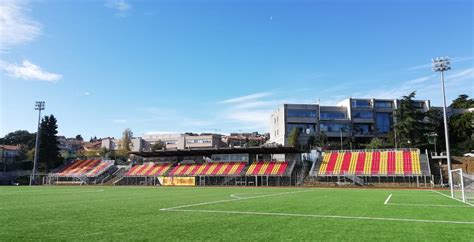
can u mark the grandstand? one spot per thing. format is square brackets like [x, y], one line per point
[148, 170]
[368, 166]
[82, 172]
[209, 169]
[267, 168]
[144, 174]
[225, 166]
[273, 166]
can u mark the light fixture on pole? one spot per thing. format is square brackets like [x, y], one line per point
[442, 64]
[39, 105]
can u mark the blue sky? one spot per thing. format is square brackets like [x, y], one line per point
[207, 66]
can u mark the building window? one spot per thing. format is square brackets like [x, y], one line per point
[363, 114]
[302, 113]
[383, 104]
[330, 127]
[363, 129]
[333, 115]
[198, 141]
[360, 103]
[419, 104]
[303, 128]
[383, 122]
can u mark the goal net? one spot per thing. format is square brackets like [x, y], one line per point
[462, 187]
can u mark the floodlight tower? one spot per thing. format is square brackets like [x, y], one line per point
[39, 105]
[442, 64]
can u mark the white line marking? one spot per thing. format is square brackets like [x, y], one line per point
[231, 200]
[453, 198]
[427, 205]
[235, 196]
[324, 216]
[388, 199]
[417, 195]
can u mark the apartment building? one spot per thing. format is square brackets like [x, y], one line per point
[137, 144]
[353, 117]
[185, 141]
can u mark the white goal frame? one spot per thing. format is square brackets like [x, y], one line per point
[460, 173]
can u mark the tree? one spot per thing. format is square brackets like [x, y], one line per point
[434, 128]
[409, 126]
[253, 143]
[19, 137]
[321, 139]
[460, 127]
[48, 148]
[127, 136]
[375, 143]
[311, 140]
[159, 145]
[79, 137]
[293, 138]
[462, 102]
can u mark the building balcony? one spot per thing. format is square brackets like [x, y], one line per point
[363, 120]
[337, 134]
[384, 110]
[370, 134]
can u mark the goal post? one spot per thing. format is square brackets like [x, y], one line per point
[462, 186]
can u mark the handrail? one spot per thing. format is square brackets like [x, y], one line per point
[371, 150]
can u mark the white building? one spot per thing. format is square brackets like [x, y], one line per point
[137, 144]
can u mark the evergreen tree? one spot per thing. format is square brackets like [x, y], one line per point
[409, 126]
[463, 102]
[461, 127]
[48, 147]
[126, 140]
[293, 138]
[79, 137]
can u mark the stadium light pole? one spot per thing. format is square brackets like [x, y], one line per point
[39, 105]
[442, 64]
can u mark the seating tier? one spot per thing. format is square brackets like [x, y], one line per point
[371, 163]
[209, 169]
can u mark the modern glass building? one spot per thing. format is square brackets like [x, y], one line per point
[353, 117]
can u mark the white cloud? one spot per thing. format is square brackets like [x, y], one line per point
[459, 82]
[250, 111]
[248, 97]
[29, 71]
[86, 94]
[427, 66]
[15, 26]
[259, 118]
[420, 79]
[467, 73]
[121, 6]
[195, 122]
[119, 121]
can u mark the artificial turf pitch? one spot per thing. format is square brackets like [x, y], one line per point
[217, 213]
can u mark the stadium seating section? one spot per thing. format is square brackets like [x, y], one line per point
[149, 169]
[209, 169]
[371, 163]
[88, 168]
[267, 168]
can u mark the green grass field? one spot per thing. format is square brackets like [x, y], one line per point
[178, 213]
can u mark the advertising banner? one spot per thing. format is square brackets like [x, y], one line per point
[177, 181]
